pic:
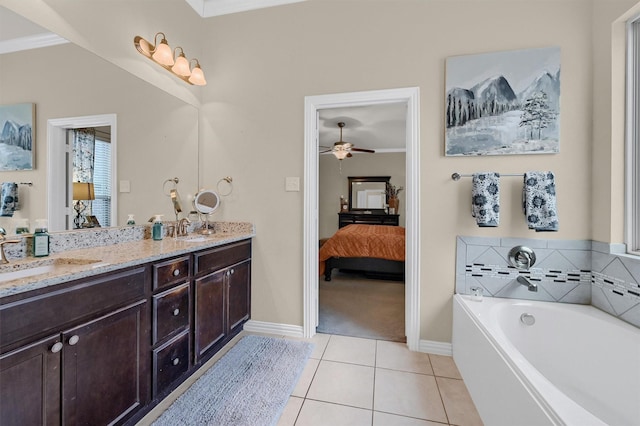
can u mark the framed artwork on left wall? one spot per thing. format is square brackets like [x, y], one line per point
[17, 135]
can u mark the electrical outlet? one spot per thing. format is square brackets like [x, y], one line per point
[292, 184]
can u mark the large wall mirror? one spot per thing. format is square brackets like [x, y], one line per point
[156, 133]
[368, 193]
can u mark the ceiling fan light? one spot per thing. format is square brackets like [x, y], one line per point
[341, 155]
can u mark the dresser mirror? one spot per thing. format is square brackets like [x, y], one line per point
[368, 193]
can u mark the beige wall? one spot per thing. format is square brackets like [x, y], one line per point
[267, 61]
[157, 134]
[332, 183]
[260, 65]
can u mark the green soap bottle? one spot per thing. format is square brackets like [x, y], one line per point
[41, 239]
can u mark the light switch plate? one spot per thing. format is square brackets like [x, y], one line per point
[292, 184]
[125, 186]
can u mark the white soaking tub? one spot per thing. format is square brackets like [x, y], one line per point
[576, 365]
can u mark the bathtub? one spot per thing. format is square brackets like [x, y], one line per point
[576, 365]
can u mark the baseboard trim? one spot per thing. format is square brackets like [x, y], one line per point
[436, 348]
[274, 328]
[428, 346]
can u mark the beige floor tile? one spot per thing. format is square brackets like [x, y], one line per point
[386, 419]
[318, 413]
[408, 394]
[457, 402]
[444, 366]
[302, 387]
[396, 356]
[353, 350]
[342, 383]
[290, 413]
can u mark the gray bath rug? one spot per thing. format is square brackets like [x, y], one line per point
[249, 385]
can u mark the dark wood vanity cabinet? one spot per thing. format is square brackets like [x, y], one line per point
[222, 289]
[107, 349]
[170, 322]
[76, 354]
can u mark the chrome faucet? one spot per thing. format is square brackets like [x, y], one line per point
[183, 226]
[3, 241]
[525, 282]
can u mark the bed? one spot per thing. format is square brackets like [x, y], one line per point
[378, 251]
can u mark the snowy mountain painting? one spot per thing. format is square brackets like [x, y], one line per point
[503, 103]
[16, 137]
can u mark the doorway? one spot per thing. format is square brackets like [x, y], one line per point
[59, 202]
[313, 104]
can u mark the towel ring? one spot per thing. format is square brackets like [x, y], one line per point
[175, 181]
[229, 189]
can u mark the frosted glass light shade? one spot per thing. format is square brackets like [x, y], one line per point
[181, 67]
[197, 76]
[163, 54]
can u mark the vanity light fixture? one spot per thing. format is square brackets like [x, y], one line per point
[161, 53]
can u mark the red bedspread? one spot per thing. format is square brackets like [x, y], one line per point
[378, 241]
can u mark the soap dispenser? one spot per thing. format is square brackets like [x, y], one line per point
[157, 230]
[41, 239]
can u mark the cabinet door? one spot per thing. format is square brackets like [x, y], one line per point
[105, 367]
[239, 294]
[30, 384]
[210, 326]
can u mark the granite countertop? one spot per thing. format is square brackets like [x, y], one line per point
[80, 263]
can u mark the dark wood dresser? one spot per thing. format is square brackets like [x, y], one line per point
[347, 218]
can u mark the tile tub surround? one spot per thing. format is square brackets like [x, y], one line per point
[116, 255]
[566, 271]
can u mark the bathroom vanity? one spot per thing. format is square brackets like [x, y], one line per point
[105, 343]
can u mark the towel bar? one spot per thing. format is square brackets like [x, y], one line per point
[457, 176]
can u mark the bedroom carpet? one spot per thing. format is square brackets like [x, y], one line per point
[249, 386]
[351, 305]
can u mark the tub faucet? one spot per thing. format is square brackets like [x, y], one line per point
[525, 282]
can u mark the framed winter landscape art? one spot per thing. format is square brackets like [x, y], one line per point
[16, 139]
[503, 103]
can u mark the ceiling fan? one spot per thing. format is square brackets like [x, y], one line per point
[342, 149]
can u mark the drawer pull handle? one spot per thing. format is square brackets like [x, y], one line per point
[176, 312]
[176, 361]
[57, 347]
[176, 272]
[73, 339]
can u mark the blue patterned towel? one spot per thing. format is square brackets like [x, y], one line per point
[485, 196]
[8, 198]
[539, 201]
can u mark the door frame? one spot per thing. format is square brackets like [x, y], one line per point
[59, 195]
[410, 96]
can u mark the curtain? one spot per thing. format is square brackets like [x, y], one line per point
[84, 146]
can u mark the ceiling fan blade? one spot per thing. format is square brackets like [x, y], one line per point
[324, 147]
[327, 150]
[363, 150]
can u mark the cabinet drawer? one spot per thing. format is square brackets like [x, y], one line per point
[170, 361]
[221, 257]
[170, 271]
[170, 312]
[34, 316]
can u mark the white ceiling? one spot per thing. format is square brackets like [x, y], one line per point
[379, 127]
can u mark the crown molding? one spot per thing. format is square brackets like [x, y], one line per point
[31, 42]
[209, 8]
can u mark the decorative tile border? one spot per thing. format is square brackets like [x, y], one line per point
[566, 271]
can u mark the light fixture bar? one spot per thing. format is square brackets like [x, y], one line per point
[162, 55]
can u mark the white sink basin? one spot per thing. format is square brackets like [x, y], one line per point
[15, 271]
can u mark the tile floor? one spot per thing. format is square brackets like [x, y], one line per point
[354, 381]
